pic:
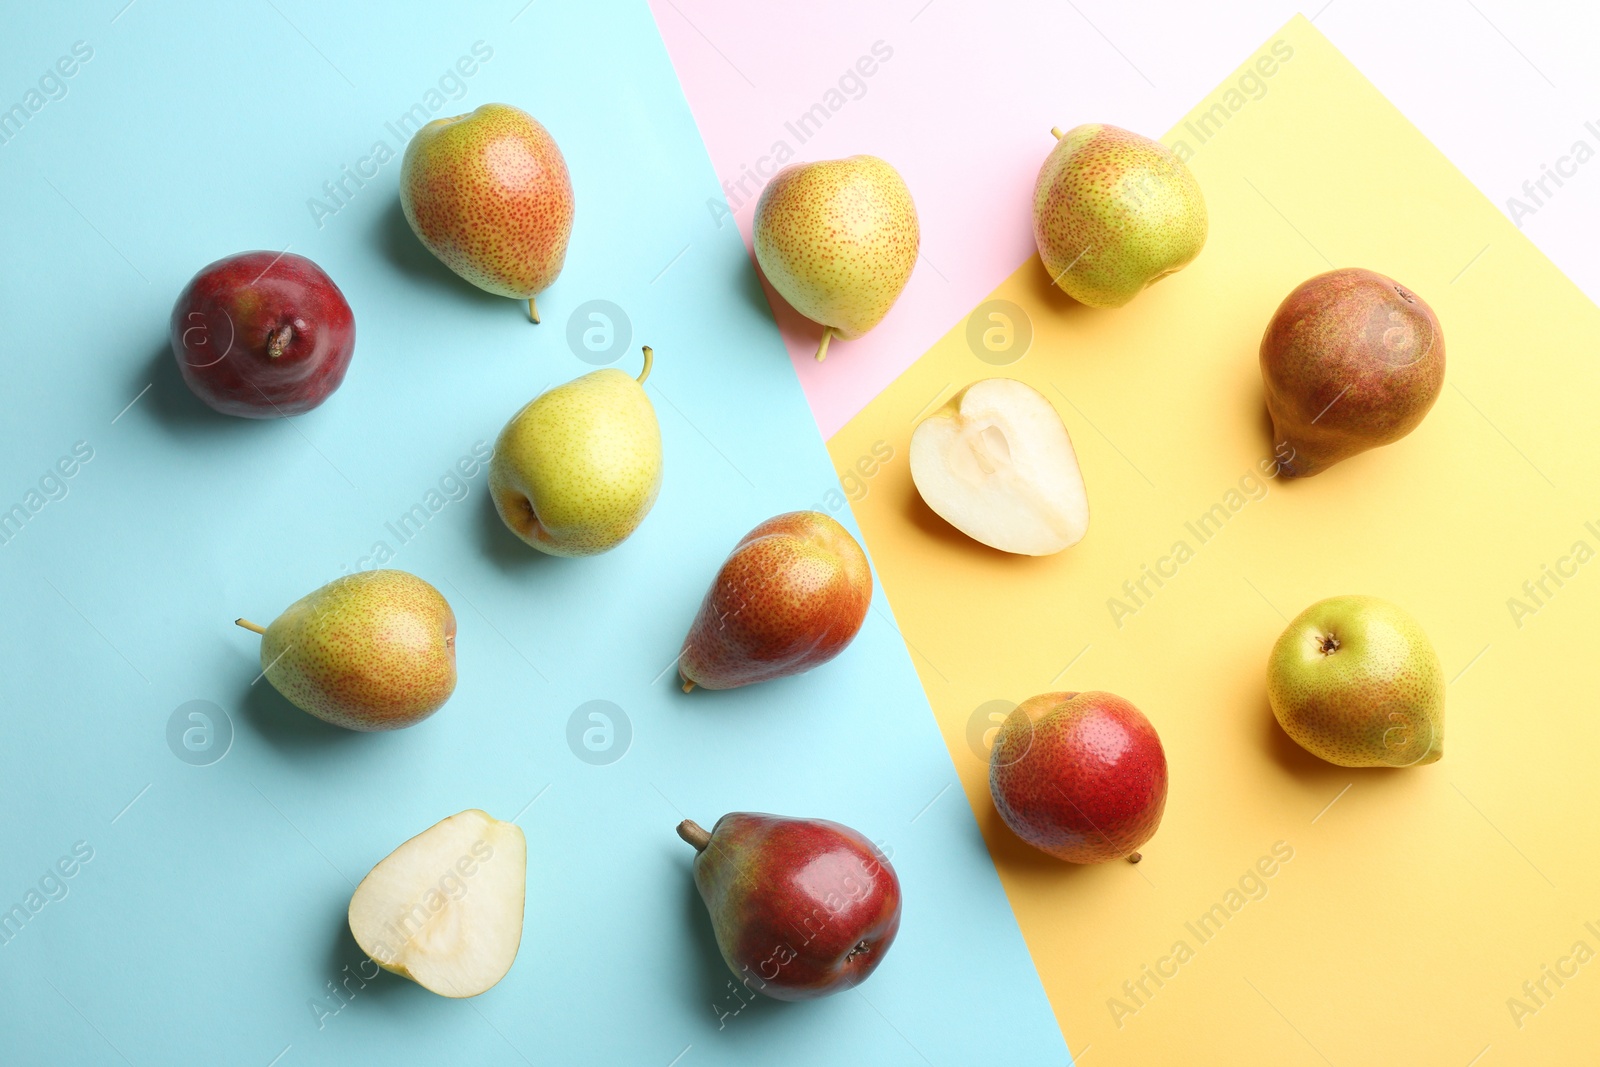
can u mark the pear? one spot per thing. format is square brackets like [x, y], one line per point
[996, 463]
[577, 469]
[1351, 360]
[801, 908]
[791, 595]
[375, 650]
[1080, 776]
[837, 240]
[1355, 681]
[445, 908]
[1114, 212]
[489, 194]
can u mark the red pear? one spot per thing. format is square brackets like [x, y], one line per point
[262, 335]
[801, 907]
[1081, 776]
[791, 595]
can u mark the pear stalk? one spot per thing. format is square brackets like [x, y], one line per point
[649, 360]
[533, 311]
[248, 625]
[822, 349]
[1055, 131]
[688, 687]
[695, 834]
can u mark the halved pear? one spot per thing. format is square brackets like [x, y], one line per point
[996, 463]
[445, 908]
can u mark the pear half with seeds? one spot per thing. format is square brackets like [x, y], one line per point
[996, 463]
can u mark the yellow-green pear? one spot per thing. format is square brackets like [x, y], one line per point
[1114, 212]
[837, 240]
[374, 650]
[489, 194]
[1355, 681]
[577, 470]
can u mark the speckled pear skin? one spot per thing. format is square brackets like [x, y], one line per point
[576, 471]
[801, 907]
[838, 240]
[1355, 681]
[1114, 212]
[489, 194]
[1080, 776]
[1351, 360]
[375, 650]
[791, 595]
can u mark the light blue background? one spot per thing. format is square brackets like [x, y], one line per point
[213, 909]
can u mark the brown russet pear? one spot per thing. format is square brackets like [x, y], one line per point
[791, 595]
[489, 194]
[374, 650]
[838, 240]
[1351, 360]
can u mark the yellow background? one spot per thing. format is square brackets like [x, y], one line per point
[1422, 899]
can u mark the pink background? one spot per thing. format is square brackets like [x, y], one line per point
[964, 105]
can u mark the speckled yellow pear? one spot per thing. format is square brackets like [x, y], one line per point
[837, 240]
[1113, 213]
[375, 650]
[445, 908]
[1355, 681]
[489, 194]
[577, 470]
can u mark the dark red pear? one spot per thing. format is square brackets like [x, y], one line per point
[801, 907]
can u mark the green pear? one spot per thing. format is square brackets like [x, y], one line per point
[1355, 681]
[1114, 212]
[375, 650]
[577, 470]
[489, 194]
[837, 240]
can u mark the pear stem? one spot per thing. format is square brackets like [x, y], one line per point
[278, 340]
[695, 834]
[649, 361]
[248, 625]
[688, 686]
[1134, 858]
[1055, 131]
[533, 311]
[822, 349]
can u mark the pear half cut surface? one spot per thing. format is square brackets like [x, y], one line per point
[996, 463]
[445, 908]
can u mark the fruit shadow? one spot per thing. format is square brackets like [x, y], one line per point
[407, 254]
[1045, 295]
[171, 402]
[343, 952]
[791, 324]
[507, 551]
[710, 984]
[284, 726]
[1301, 765]
[1010, 853]
[931, 524]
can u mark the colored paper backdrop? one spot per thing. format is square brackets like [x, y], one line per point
[203, 919]
[1290, 911]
